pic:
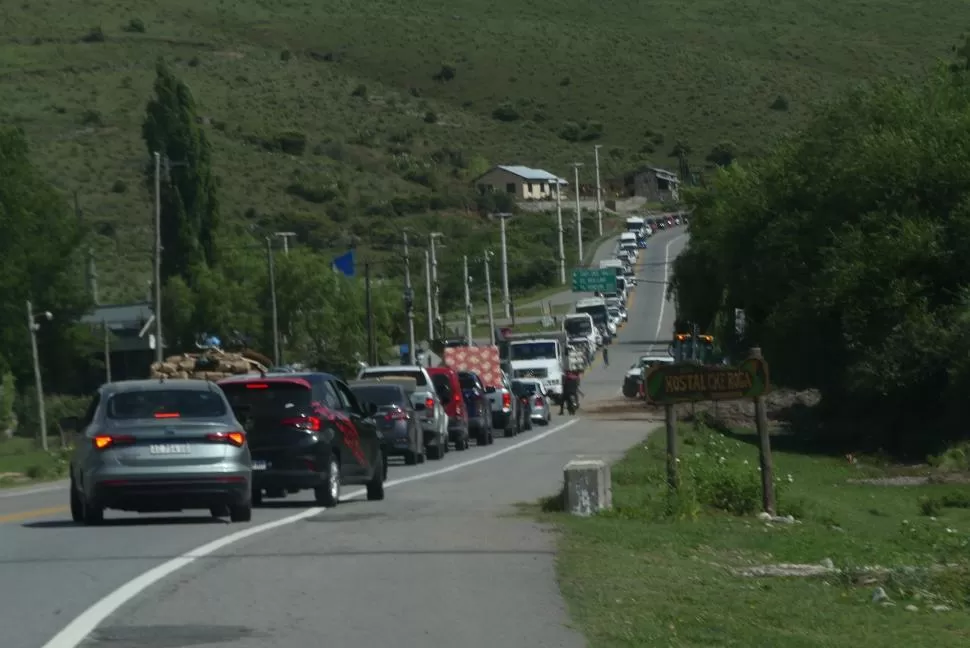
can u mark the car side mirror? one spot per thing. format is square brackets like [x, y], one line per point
[70, 424]
[490, 389]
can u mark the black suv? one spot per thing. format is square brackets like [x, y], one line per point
[308, 431]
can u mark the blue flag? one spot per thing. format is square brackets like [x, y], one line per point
[344, 264]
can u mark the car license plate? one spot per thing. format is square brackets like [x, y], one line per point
[168, 448]
[260, 465]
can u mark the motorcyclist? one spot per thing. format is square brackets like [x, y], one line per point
[570, 389]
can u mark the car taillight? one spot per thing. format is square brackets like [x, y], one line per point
[538, 401]
[167, 415]
[506, 400]
[105, 441]
[429, 403]
[311, 423]
[396, 415]
[232, 438]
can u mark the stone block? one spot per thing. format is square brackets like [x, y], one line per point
[587, 486]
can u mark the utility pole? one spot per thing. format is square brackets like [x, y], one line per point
[488, 298]
[159, 346]
[371, 343]
[409, 300]
[272, 292]
[468, 305]
[579, 215]
[434, 279]
[562, 249]
[599, 195]
[286, 240]
[90, 268]
[107, 351]
[427, 290]
[33, 327]
[506, 300]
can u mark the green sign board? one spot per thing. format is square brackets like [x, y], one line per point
[688, 382]
[594, 280]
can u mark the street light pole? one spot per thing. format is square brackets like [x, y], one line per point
[409, 301]
[33, 326]
[562, 249]
[272, 292]
[286, 240]
[468, 305]
[427, 290]
[599, 199]
[579, 217]
[159, 347]
[434, 278]
[506, 300]
[488, 298]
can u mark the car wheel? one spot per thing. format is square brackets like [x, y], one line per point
[329, 494]
[240, 512]
[434, 452]
[411, 458]
[92, 514]
[375, 487]
[77, 507]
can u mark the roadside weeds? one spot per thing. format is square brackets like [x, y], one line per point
[23, 463]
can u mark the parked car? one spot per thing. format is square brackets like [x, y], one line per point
[396, 418]
[478, 405]
[434, 419]
[633, 379]
[507, 412]
[156, 446]
[307, 431]
[535, 394]
[448, 388]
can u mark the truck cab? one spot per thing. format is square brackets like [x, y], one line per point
[539, 357]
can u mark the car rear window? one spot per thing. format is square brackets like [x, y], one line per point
[390, 373]
[166, 403]
[467, 381]
[380, 395]
[271, 399]
[525, 387]
[442, 383]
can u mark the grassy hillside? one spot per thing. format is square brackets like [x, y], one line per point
[342, 119]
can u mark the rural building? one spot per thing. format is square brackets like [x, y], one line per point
[131, 356]
[521, 182]
[656, 185]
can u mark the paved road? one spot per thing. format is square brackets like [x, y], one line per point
[440, 562]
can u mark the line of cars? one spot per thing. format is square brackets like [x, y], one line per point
[168, 445]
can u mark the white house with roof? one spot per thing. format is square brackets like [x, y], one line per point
[521, 182]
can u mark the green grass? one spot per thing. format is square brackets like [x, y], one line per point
[21, 462]
[358, 79]
[657, 572]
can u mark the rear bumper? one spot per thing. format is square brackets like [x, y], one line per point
[501, 419]
[397, 446]
[145, 495]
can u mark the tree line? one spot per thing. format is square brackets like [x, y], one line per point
[848, 247]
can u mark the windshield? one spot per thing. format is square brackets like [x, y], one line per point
[467, 381]
[598, 313]
[522, 388]
[578, 326]
[392, 373]
[533, 351]
[166, 403]
[270, 399]
[380, 395]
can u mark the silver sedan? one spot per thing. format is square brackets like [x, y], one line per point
[535, 391]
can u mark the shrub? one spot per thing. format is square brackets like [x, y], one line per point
[135, 26]
[96, 35]
[506, 113]
[291, 142]
[119, 187]
[780, 103]
[359, 91]
[286, 55]
[446, 73]
[430, 117]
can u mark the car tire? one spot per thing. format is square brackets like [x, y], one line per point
[329, 494]
[240, 512]
[219, 511]
[375, 487]
[434, 452]
[411, 458]
[77, 507]
[92, 514]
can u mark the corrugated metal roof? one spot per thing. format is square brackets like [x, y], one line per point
[528, 173]
[119, 315]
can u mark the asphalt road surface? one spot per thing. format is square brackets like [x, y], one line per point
[442, 561]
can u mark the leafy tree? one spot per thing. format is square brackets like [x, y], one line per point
[190, 208]
[722, 154]
[41, 262]
[849, 248]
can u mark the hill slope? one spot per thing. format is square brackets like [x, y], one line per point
[343, 119]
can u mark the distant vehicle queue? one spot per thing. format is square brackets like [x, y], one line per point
[189, 438]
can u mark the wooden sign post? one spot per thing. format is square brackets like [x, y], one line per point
[685, 382]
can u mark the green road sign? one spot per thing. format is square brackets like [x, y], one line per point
[681, 383]
[594, 280]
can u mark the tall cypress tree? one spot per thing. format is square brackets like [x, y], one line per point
[190, 208]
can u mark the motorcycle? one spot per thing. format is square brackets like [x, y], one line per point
[572, 404]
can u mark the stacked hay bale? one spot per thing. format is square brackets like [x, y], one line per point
[209, 365]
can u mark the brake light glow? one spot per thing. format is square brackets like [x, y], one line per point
[396, 415]
[257, 386]
[506, 400]
[429, 403]
[311, 423]
[538, 401]
[105, 441]
[167, 415]
[232, 438]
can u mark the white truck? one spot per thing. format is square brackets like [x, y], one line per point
[581, 332]
[542, 356]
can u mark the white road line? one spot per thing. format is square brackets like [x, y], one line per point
[59, 486]
[77, 630]
[663, 296]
